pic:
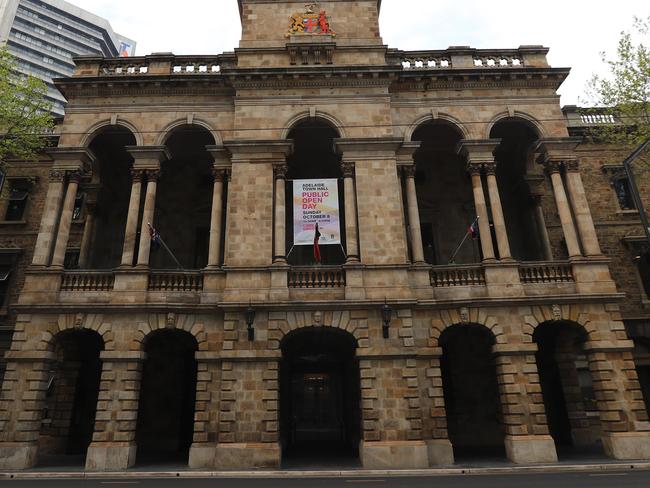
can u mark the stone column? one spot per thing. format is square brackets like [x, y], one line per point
[351, 231]
[86, 240]
[497, 213]
[624, 420]
[553, 168]
[540, 222]
[147, 217]
[66, 219]
[280, 251]
[113, 446]
[481, 212]
[49, 221]
[214, 253]
[415, 233]
[522, 405]
[206, 412]
[581, 210]
[131, 229]
[22, 400]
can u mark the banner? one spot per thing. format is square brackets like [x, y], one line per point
[316, 201]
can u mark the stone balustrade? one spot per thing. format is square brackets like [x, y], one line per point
[175, 281]
[316, 277]
[464, 275]
[547, 272]
[87, 281]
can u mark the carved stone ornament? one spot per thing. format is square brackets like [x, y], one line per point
[474, 168]
[75, 176]
[137, 174]
[464, 315]
[318, 318]
[557, 312]
[152, 174]
[79, 321]
[552, 167]
[348, 170]
[572, 166]
[280, 171]
[312, 21]
[171, 320]
[409, 171]
[220, 174]
[56, 175]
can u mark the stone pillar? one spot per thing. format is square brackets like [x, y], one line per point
[564, 211]
[626, 430]
[50, 219]
[147, 217]
[351, 231]
[522, 405]
[131, 229]
[482, 213]
[542, 230]
[415, 233]
[206, 412]
[86, 240]
[214, 253]
[497, 213]
[434, 414]
[581, 210]
[113, 446]
[22, 400]
[66, 219]
[279, 227]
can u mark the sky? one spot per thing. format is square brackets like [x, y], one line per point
[577, 31]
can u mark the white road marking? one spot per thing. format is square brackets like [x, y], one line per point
[365, 481]
[610, 474]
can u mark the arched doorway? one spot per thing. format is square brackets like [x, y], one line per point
[642, 363]
[71, 398]
[471, 392]
[184, 200]
[569, 398]
[516, 176]
[320, 415]
[313, 157]
[444, 193]
[108, 196]
[167, 398]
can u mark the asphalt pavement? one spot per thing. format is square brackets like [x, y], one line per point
[629, 479]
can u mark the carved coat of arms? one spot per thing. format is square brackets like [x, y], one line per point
[312, 21]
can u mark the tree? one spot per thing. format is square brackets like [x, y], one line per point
[24, 112]
[623, 95]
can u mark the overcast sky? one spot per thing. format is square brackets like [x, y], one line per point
[575, 30]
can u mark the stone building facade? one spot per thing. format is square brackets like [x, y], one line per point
[395, 350]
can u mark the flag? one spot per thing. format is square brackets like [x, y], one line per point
[156, 240]
[473, 230]
[316, 246]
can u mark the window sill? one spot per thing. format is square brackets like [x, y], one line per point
[12, 222]
[627, 212]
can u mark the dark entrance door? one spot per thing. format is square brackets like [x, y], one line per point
[319, 397]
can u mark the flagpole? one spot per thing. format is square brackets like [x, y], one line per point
[180, 266]
[453, 257]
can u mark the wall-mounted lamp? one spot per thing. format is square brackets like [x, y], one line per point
[250, 319]
[386, 315]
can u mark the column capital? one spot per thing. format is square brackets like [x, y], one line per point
[220, 174]
[75, 176]
[148, 157]
[475, 168]
[280, 171]
[408, 170]
[552, 167]
[152, 174]
[57, 176]
[137, 175]
[348, 169]
[572, 165]
[478, 150]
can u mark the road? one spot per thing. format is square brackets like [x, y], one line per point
[629, 479]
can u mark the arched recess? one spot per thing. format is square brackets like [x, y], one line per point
[471, 391]
[307, 116]
[71, 397]
[567, 387]
[167, 397]
[96, 129]
[444, 194]
[184, 199]
[168, 131]
[519, 180]
[320, 414]
[428, 118]
[106, 197]
[313, 158]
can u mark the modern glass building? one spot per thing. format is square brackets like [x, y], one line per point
[45, 35]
